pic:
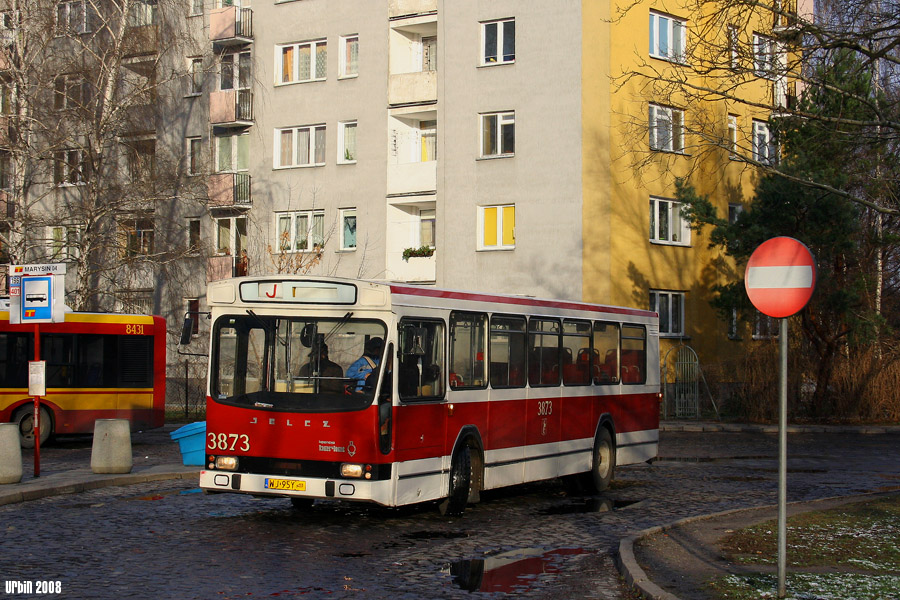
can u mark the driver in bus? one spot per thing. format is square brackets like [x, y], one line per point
[329, 372]
[367, 363]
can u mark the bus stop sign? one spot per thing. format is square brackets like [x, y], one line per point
[780, 277]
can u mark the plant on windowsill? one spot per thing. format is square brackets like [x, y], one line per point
[423, 251]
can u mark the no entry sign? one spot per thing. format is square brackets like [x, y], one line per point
[780, 277]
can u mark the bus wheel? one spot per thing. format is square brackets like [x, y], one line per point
[302, 503]
[460, 483]
[604, 462]
[24, 418]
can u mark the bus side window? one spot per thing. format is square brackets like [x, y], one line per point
[544, 346]
[576, 367]
[467, 350]
[605, 365]
[422, 364]
[634, 354]
[507, 352]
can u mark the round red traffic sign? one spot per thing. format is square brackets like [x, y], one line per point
[780, 277]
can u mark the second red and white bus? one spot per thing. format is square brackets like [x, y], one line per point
[467, 391]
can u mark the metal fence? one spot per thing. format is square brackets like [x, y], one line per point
[186, 391]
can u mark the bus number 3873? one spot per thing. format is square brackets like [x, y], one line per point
[545, 408]
[228, 441]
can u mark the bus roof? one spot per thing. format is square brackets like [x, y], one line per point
[331, 291]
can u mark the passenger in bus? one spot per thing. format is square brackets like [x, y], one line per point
[367, 363]
[329, 372]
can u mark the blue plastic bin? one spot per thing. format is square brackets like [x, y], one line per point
[192, 442]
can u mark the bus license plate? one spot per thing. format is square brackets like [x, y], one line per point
[286, 484]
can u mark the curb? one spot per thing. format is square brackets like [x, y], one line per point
[710, 426]
[637, 578]
[81, 480]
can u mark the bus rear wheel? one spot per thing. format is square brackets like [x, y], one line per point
[460, 483]
[603, 464]
[24, 418]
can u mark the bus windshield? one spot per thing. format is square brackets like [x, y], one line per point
[297, 364]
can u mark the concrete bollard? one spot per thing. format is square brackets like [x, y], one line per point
[10, 453]
[111, 452]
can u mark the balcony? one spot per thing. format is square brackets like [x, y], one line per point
[225, 267]
[401, 8]
[407, 178]
[141, 41]
[411, 88]
[231, 108]
[418, 269]
[229, 190]
[231, 26]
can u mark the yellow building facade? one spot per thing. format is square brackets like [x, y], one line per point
[682, 90]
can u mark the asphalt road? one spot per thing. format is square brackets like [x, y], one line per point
[167, 540]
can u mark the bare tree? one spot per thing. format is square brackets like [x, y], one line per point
[89, 91]
[758, 56]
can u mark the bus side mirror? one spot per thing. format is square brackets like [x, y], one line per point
[187, 330]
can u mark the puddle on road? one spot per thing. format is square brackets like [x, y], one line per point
[512, 572]
[598, 504]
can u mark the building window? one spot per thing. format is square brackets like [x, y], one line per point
[349, 62]
[763, 56]
[6, 91]
[234, 71]
[427, 226]
[670, 306]
[6, 174]
[734, 212]
[4, 243]
[498, 39]
[193, 234]
[73, 17]
[135, 302]
[196, 7]
[667, 37]
[232, 153]
[231, 236]
[301, 231]
[734, 55]
[732, 137]
[300, 146]
[196, 76]
[63, 242]
[194, 147]
[142, 13]
[136, 237]
[348, 229]
[666, 129]
[70, 167]
[666, 223]
[764, 327]
[346, 142]
[305, 61]
[71, 90]
[141, 158]
[764, 150]
[498, 134]
[497, 227]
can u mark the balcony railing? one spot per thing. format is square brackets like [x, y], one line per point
[228, 190]
[231, 108]
[399, 8]
[231, 25]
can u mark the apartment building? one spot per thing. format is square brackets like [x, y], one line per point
[503, 146]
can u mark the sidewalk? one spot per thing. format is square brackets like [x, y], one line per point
[66, 467]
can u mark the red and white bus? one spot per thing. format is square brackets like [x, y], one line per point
[468, 391]
[98, 366]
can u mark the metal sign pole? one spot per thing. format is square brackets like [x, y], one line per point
[36, 421]
[782, 457]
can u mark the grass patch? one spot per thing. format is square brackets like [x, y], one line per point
[849, 552]
[810, 586]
